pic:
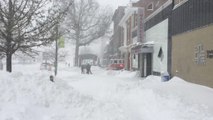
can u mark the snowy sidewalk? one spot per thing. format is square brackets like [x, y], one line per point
[104, 95]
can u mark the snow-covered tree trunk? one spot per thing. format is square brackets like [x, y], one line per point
[76, 55]
[9, 62]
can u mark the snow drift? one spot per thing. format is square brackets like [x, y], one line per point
[105, 95]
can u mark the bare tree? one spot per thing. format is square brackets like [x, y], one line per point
[86, 22]
[50, 53]
[25, 24]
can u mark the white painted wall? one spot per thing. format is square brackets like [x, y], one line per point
[159, 34]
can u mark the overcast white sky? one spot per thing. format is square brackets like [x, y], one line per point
[113, 3]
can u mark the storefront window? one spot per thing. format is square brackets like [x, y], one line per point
[135, 61]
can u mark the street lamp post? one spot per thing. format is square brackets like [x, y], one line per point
[56, 50]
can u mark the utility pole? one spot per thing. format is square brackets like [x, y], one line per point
[56, 49]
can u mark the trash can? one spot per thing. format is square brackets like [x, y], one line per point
[165, 76]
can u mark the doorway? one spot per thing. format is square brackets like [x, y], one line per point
[147, 64]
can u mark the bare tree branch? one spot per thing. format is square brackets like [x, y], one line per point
[86, 22]
[28, 23]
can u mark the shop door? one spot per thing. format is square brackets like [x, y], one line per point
[148, 64]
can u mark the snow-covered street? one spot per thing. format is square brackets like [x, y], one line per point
[27, 94]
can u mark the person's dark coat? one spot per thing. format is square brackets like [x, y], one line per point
[82, 69]
[88, 68]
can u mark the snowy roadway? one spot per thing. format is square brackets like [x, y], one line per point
[27, 94]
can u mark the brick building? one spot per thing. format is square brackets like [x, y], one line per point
[112, 51]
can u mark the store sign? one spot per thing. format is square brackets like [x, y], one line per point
[137, 50]
[200, 57]
[143, 50]
[210, 54]
[140, 24]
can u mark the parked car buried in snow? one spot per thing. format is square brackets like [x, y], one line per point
[116, 64]
[46, 66]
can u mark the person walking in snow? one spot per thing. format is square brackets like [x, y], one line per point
[88, 68]
[51, 78]
[83, 66]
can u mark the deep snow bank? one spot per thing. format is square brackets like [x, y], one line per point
[172, 100]
[104, 95]
[33, 97]
[192, 93]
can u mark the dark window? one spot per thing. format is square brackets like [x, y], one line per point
[160, 54]
[134, 33]
[115, 61]
[120, 61]
[150, 6]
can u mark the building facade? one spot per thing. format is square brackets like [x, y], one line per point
[116, 40]
[146, 35]
[153, 52]
[192, 41]
[111, 51]
[177, 38]
[133, 26]
[117, 37]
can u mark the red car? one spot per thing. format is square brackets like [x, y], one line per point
[46, 66]
[116, 64]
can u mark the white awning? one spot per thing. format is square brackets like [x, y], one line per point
[123, 49]
[146, 47]
[147, 50]
[149, 43]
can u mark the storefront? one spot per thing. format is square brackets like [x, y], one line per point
[192, 56]
[142, 59]
[135, 57]
[126, 55]
[192, 41]
[157, 37]
[133, 26]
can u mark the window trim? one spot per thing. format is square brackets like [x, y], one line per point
[152, 6]
[180, 3]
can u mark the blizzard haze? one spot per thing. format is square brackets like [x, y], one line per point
[113, 3]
